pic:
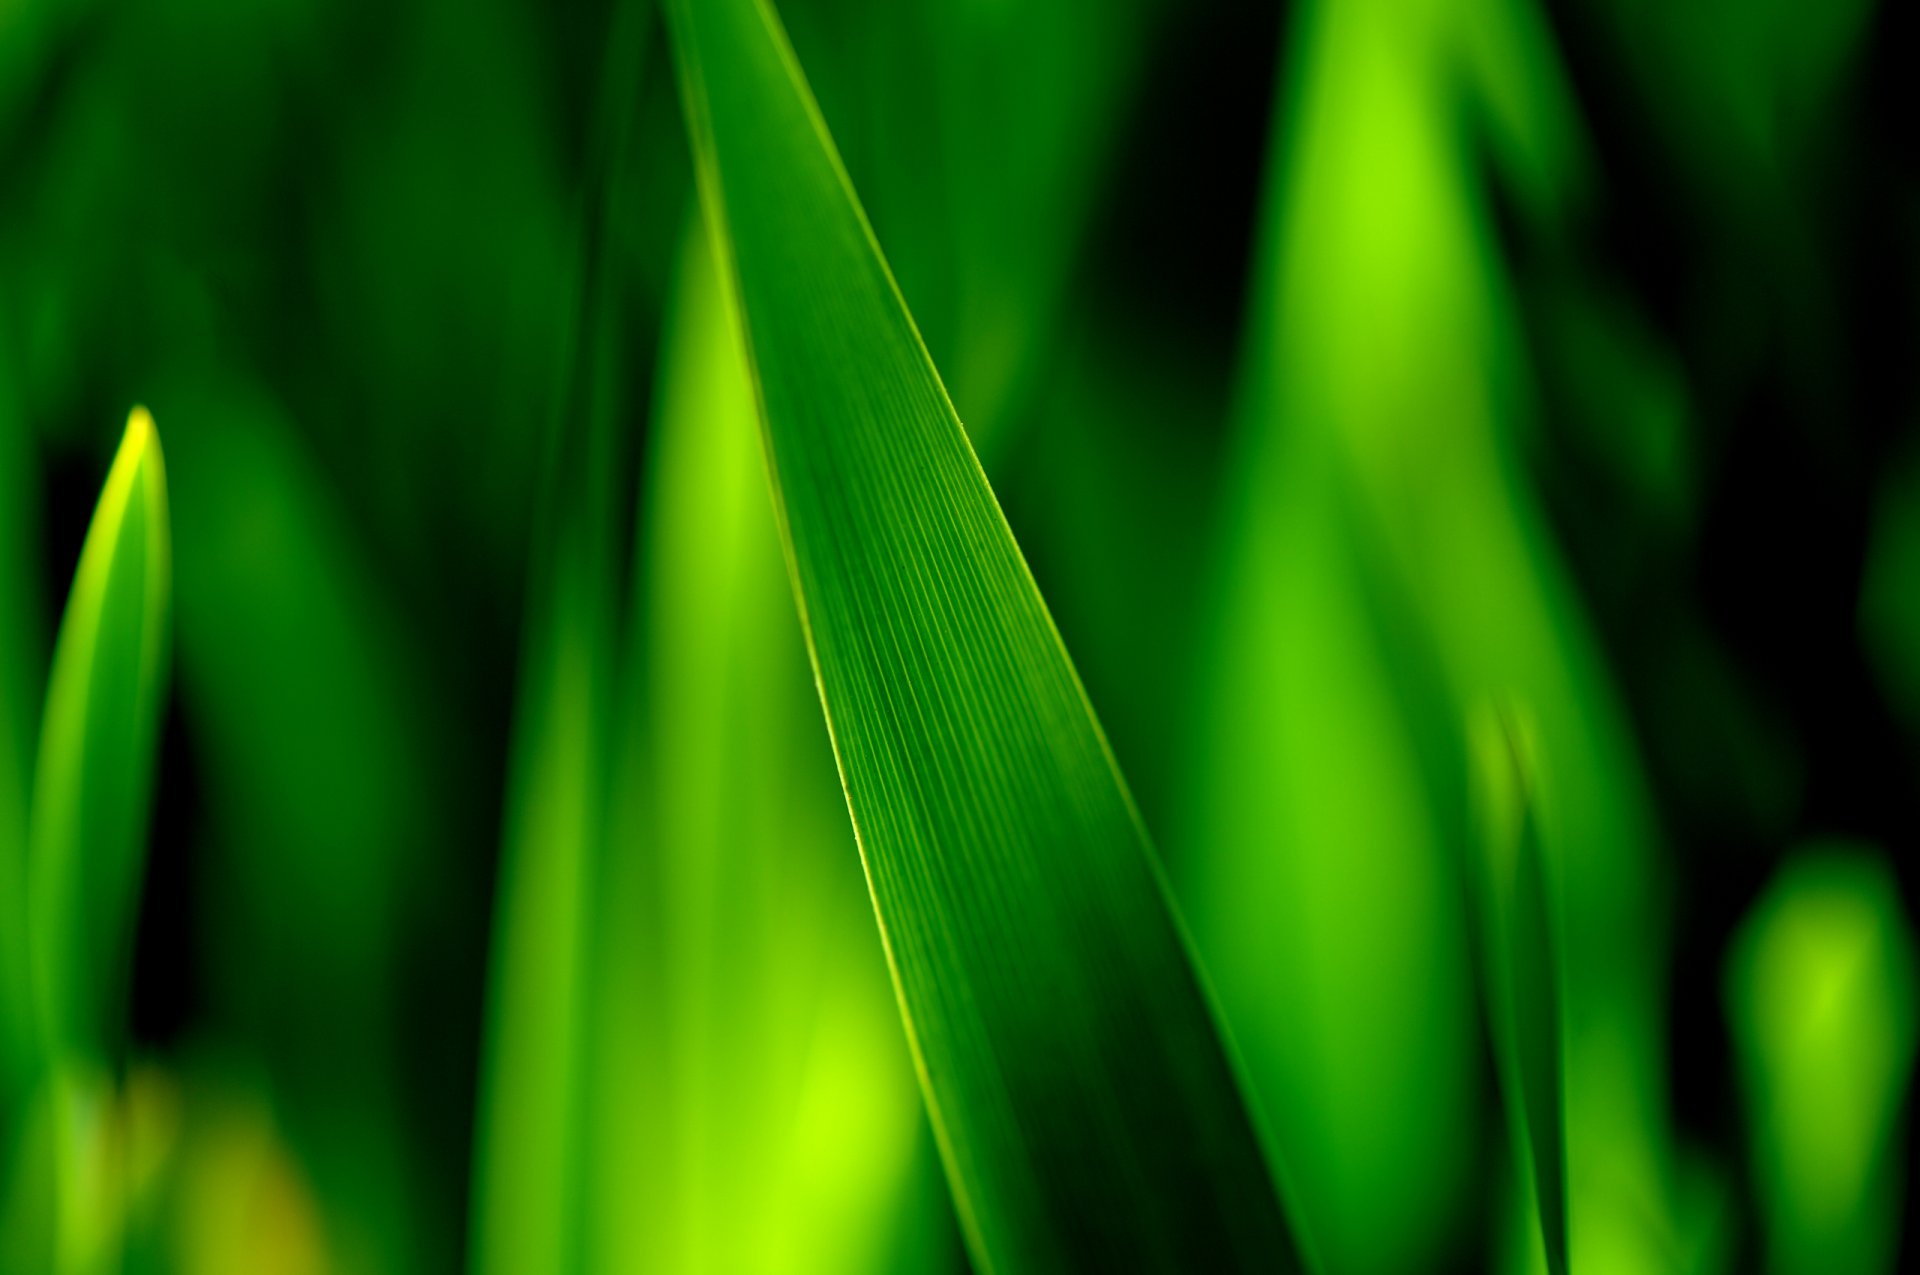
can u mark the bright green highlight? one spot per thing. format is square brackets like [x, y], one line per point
[1085, 1105]
[1821, 995]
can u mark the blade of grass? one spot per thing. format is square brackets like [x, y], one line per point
[87, 836]
[526, 1140]
[1086, 1106]
[527, 1212]
[97, 751]
[525, 1160]
[1521, 966]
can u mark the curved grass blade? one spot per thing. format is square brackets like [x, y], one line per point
[1086, 1106]
[96, 761]
[1521, 962]
[87, 831]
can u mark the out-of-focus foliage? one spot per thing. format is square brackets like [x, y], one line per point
[18, 686]
[1821, 994]
[314, 835]
[755, 1104]
[1890, 592]
[531, 1128]
[1384, 576]
[1347, 373]
[1520, 963]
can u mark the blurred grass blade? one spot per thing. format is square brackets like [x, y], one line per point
[318, 755]
[527, 1136]
[1085, 1104]
[87, 836]
[23, 1207]
[528, 1212]
[97, 751]
[1522, 966]
[1821, 996]
[18, 692]
[1389, 350]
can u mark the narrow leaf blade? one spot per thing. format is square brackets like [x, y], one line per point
[529, 1169]
[1522, 966]
[1086, 1106]
[97, 752]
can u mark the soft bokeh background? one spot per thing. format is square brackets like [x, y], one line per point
[1344, 368]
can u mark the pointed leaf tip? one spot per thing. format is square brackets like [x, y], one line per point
[97, 753]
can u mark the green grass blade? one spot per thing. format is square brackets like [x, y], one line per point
[1522, 964]
[526, 1140]
[87, 832]
[1086, 1106]
[97, 752]
[527, 1208]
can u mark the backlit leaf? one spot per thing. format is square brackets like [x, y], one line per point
[1086, 1106]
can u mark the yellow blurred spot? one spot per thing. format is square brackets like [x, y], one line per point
[243, 1205]
[139, 429]
[152, 1115]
